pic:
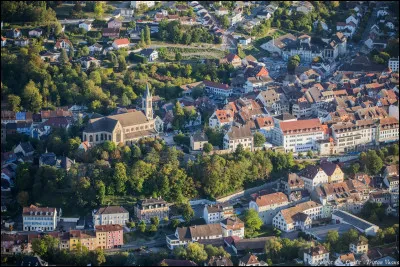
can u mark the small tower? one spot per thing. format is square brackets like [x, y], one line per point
[147, 103]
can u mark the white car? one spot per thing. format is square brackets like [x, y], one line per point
[40, 230]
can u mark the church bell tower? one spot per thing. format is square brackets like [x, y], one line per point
[147, 103]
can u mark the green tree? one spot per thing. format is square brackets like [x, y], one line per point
[121, 63]
[63, 57]
[196, 252]
[259, 139]
[252, 221]
[273, 246]
[310, 154]
[174, 223]
[147, 35]
[32, 97]
[207, 147]
[187, 212]
[23, 198]
[225, 22]
[97, 257]
[178, 56]
[120, 177]
[14, 101]
[155, 221]
[98, 9]
[39, 247]
[354, 168]
[71, 53]
[374, 162]
[142, 226]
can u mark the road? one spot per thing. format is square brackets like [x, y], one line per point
[149, 244]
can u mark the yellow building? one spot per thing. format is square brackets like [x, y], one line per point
[101, 238]
[333, 171]
[86, 238]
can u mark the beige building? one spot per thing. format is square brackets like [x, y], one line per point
[316, 256]
[334, 172]
[298, 217]
[388, 130]
[125, 128]
[151, 207]
[359, 247]
[238, 135]
[198, 140]
[269, 205]
[312, 177]
[110, 215]
[232, 227]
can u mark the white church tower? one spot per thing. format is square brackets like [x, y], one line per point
[147, 103]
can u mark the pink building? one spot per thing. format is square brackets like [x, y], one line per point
[114, 234]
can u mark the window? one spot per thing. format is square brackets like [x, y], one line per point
[97, 137]
[91, 138]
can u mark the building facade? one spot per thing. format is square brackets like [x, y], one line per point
[38, 218]
[110, 215]
[152, 207]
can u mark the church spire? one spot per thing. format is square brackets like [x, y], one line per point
[147, 103]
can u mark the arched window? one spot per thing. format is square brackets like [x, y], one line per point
[90, 138]
[84, 137]
[118, 136]
[97, 137]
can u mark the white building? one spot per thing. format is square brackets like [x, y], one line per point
[216, 213]
[232, 227]
[388, 130]
[394, 64]
[220, 118]
[95, 48]
[87, 25]
[120, 43]
[35, 33]
[110, 215]
[219, 89]
[360, 246]
[299, 136]
[136, 4]
[38, 218]
[238, 135]
[313, 176]
[298, 217]
[268, 206]
[316, 256]
[361, 225]
[185, 235]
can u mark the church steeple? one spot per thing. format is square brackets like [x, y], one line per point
[147, 103]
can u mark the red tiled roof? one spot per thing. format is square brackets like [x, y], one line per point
[271, 199]
[301, 126]
[123, 41]
[264, 121]
[216, 85]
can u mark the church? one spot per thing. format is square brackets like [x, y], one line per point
[126, 128]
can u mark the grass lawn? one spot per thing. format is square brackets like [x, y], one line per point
[255, 49]
[136, 236]
[120, 200]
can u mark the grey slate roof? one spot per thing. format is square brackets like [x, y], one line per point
[27, 147]
[353, 220]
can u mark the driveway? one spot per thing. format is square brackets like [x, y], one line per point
[292, 235]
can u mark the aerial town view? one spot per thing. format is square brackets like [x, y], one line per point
[199, 133]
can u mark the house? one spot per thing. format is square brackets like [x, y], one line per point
[220, 118]
[126, 12]
[88, 61]
[113, 234]
[391, 178]
[15, 33]
[253, 245]
[172, 262]
[299, 136]
[238, 135]
[3, 41]
[197, 141]
[110, 32]
[86, 238]
[114, 23]
[267, 206]
[110, 215]
[388, 130]
[150, 54]
[334, 172]
[232, 59]
[25, 148]
[323, 24]
[218, 89]
[361, 225]
[393, 64]
[291, 184]
[313, 176]
[35, 33]
[304, 7]
[360, 246]
[353, 19]
[87, 25]
[298, 217]
[251, 260]
[38, 218]
[137, 4]
[303, 47]
[123, 128]
[63, 43]
[21, 41]
[232, 226]
[185, 235]
[222, 11]
[265, 126]
[120, 43]
[49, 159]
[218, 261]
[85, 146]
[49, 56]
[244, 40]
[316, 256]
[218, 212]
[149, 208]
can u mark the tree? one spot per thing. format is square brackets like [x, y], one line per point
[196, 252]
[332, 237]
[71, 53]
[120, 177]
[354, 168]
[39, 246]
[98, 9]
[225, 22]
[63, 57]
[14, 101]
[178, 56]
[131, 225]
[207, 147]
[374, 162]
[32, 97]
[142, 226]
[97, 257]
[187, 212]
[121, 63]
[310, 154]
[23, 198]
[259, 139]
[155, 221]
[174, 223]
[142, 42]
[147, 35]
[273, 246]
[252, 220]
